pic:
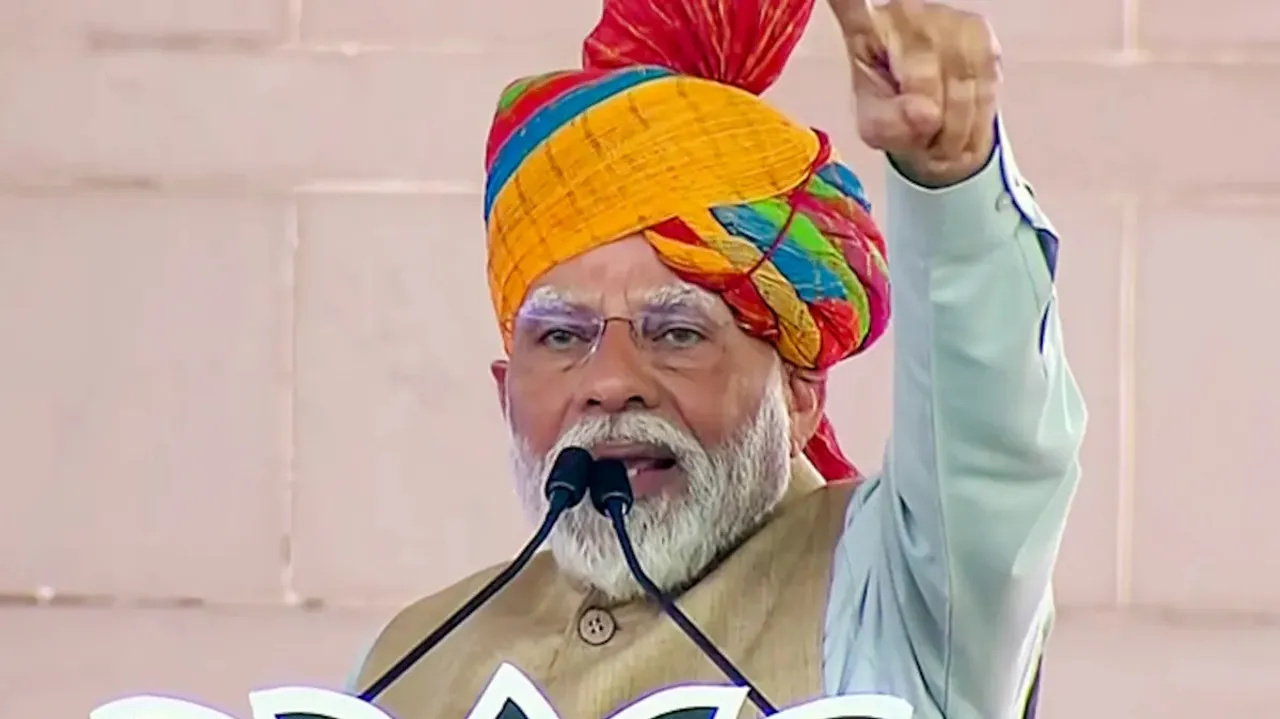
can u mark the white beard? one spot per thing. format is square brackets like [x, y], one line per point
[728, 493]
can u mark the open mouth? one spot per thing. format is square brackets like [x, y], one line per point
[638, 458]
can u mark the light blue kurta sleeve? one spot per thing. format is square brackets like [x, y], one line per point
[941, 583]
[351, 685]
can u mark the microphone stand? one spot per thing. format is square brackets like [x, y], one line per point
[612, 496]
[566, 486]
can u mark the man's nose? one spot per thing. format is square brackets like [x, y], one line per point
[616, 377]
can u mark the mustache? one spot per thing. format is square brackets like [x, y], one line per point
[633, 428]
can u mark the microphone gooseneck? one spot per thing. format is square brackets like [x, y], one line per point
[611, 495]
[565, 488]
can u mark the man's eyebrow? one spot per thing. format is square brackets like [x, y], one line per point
[674, 297]
[547, 299]
[680, 296]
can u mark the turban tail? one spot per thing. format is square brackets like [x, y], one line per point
[664, 133]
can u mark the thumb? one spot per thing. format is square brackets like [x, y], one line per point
[898, 124]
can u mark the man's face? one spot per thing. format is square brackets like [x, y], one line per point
[612, 352]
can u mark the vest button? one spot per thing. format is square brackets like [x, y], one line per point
[596, 627]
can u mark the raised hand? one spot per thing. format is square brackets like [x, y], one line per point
[925, 79]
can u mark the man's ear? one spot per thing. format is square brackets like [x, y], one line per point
[499, 370]
[806, 401]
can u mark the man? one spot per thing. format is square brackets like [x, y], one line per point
[675, 265]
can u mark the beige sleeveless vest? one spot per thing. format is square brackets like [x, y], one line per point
[764, 607]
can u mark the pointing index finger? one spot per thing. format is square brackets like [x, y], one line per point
[856, 17]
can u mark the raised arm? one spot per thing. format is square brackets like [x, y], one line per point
[987, 427]
[988, 421]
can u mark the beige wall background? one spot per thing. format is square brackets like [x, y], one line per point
[244, 405]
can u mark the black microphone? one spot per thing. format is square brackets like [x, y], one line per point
[611, 494]
[566, 486]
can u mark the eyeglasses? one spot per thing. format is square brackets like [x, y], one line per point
[675, 338]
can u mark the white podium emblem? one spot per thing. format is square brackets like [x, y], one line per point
[510, 695]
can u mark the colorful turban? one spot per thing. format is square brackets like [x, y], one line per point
[664, 133]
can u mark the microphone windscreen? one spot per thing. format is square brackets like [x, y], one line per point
[610, 484]
[570, 473]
